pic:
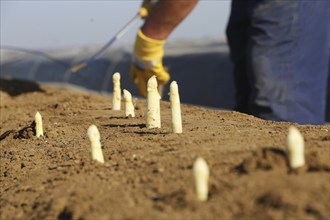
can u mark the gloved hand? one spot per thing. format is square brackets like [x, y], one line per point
[146, 8]
[147, 61]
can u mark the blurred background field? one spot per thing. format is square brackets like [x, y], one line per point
[41, 40]
[203, 71]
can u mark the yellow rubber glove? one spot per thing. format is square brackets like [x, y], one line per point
[147, 61]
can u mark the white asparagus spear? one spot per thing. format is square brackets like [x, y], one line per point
[175, 108]
[201, 174]
[116, 99]
[39, 128]
[295, 148]
[129, 107]
[153, 114]
[94, 137]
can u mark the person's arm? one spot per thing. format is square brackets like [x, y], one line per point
[148, 54]
[165, 16]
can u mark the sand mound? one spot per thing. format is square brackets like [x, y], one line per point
[148, 173]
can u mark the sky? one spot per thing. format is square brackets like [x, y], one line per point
[52, 24]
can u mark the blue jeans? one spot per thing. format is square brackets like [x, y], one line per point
[280, 50]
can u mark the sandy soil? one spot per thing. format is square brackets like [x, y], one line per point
[148, 173]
